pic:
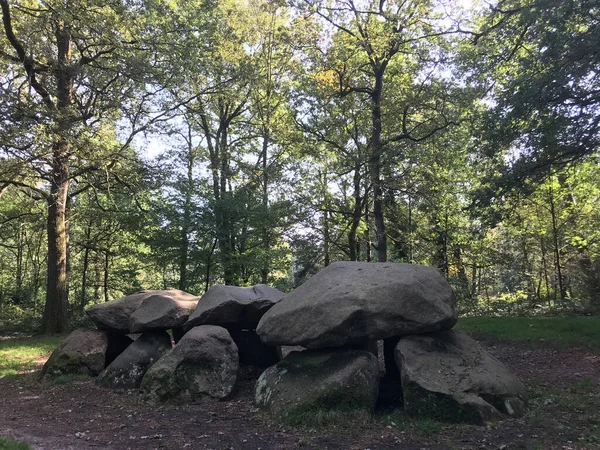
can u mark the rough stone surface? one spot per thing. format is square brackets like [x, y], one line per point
[315, 381]
[352, 301]
[251, 349]
[227, 306]
[115, 315]
[163, 312]
[82, 352]
[128, 369]
[204, 364]
[448, 376]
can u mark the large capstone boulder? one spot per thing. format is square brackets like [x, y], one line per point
[115, 315]
[233, 306]
[204, 364]
[448, 376]
[350, 302]
[318, 382]
[128, 369]
[161, 312]
[83, 352]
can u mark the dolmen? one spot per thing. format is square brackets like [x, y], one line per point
[334, 321]
[338, 313]
[239, 309]
[132, 348]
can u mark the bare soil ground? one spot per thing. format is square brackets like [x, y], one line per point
[564, 414]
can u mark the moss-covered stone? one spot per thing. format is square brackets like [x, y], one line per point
[204, 364]
[310, 383]
[448, 376]
[128, 369]
[83, 352]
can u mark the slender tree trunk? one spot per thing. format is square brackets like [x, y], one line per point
[106, 275]
[36, 273]
[410, 231]
[545, 269]
[367, 233]
[209, 265]
[187, 216]
[356, 216]
[557, 259]
[86, 263]
[326, 231]
[442, 242]
[98, 264]
[1, 286]
[266, 244]
[19, 275]
[376, 151]
[226, 244]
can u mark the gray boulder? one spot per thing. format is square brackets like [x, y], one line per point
[350, 302]
[448, 376]
[82, 352]
[204, 364]
[115, 315]
[161, 312]
[227, 306]
[128, 369]
[318, 382]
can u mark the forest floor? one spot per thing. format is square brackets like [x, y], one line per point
[559, 361]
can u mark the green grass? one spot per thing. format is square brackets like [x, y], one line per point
[9, 444]
[19, 356]
[564, 331]
[425, 427]
[68, 378]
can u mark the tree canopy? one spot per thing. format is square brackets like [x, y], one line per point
[185, 143]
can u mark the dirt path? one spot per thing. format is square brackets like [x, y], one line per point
[565, 414]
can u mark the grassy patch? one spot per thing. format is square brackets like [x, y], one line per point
[425, 427]
[564, 331]
[326, 418]
[574, 410]
[67, 378]
[21, 356]
[9, 444]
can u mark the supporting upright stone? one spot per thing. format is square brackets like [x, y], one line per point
[319, 382]
[448, 376]
[203, 365]
[128, 369]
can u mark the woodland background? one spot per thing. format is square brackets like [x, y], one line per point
[177, 144]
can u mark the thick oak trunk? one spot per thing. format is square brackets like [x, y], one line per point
[54, 319]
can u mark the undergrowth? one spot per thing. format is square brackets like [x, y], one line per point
[563, 331]
[10, 444]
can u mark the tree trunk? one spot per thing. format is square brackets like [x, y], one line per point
[86, 263]
[187, 216]
[376, 150]
[54, 319]
[326, 232]
[367, 233]
[545, 269]
[266, 244]
[558, 264]
[106, 270]
[356, 215]
[18, 297]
